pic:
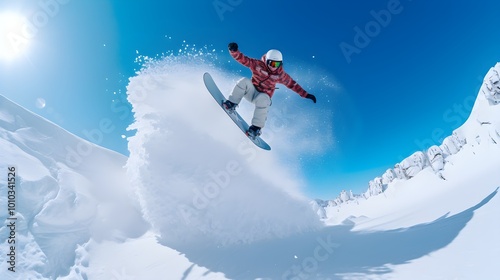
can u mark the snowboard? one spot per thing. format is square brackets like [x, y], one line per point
[238, 120]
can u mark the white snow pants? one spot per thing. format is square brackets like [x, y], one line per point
[262, 101]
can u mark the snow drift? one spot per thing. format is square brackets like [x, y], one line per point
[199, 179]
[68, 191]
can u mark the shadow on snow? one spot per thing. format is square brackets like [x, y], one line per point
[330, 252]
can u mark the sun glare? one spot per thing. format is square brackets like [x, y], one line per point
[12, 38]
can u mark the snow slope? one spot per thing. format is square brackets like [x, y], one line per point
[68, 190]
[197, 201]
[438, 188]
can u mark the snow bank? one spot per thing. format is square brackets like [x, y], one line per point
[68, 191]
[198, 177]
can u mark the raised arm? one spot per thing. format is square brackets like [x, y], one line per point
[240, 57]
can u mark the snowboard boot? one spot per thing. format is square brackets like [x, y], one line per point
[253, 131]
[229, 106]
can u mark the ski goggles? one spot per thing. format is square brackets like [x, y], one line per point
[274, 63]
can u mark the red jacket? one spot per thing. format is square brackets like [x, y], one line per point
[264, 79]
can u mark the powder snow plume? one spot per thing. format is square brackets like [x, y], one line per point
[197, 176]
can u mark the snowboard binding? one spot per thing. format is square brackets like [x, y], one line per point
[229, 106]
[253, 132]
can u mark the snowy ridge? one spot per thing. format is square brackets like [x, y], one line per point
[483, 126]
[67, 191]
[448, 191]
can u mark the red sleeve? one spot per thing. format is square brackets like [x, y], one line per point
[293, 85]
[243, 59]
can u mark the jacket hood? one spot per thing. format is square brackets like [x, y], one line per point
[264, 58]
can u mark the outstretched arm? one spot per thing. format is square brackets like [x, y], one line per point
[293, 85]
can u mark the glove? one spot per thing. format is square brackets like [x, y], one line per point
[233, 47]
[312, 97]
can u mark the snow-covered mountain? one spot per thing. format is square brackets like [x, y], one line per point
[221, 209]
[438, 186]
[481, 132]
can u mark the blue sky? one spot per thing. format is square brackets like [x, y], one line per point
[405, 85]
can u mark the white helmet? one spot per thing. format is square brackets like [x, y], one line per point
[274, 58]
[274, 55]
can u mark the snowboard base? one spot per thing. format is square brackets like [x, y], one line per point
[237, 119]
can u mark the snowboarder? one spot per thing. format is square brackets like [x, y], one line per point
[266, 73]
